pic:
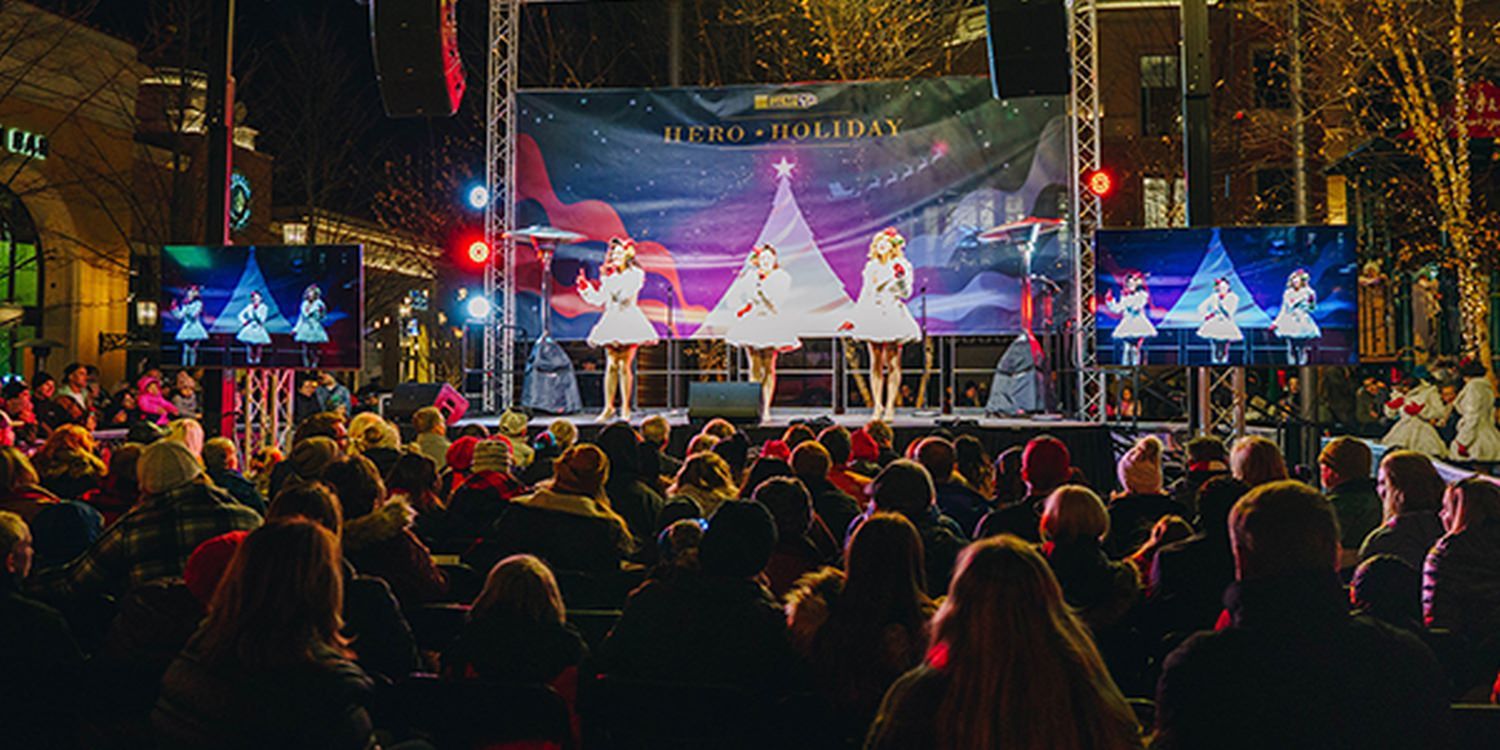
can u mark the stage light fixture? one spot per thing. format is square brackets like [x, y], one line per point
[1099, 182]
[479, 252]
[478, 197]
[478, 307]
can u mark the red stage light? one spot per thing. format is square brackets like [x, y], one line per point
[479, 252]
[1099, 182]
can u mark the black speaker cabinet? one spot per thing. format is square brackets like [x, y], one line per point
[732, 401]
[416, 56]
[1028, 42]
[409, 397]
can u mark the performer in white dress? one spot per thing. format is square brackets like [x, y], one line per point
[1218, 325]
[881, 320]
[253, 328]
[1477, 438]
[759, 326]
[1294, 322]
[1417, 407]
[191, 332]
[623, 328]
[309, 330]
[1134, 327]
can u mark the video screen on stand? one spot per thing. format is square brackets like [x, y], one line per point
[1227, 296]
[274, 306]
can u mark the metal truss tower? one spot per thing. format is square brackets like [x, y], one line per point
[1083, 44]
[499, 355]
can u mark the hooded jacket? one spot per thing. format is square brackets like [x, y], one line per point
[382, 544]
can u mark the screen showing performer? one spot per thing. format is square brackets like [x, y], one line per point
[1227, 296]
[292, 306]
[622, 328]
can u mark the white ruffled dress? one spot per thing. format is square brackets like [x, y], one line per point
[763, 326]
[191, 315]
[309, 328]
[880, 314]
[1295, 319]
[1132, 311]
[1416, 432]
[623, 323]
[1218, 317]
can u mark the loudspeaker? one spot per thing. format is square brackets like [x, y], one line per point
[409, 397]
[1028, 41]
[732, 401]
[416, 56]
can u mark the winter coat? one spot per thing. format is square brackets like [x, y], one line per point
[1021, 519]
[1294, 669]
[41, 661]
[962, 504]
[1102, 592]
[641, 507]
[234, 706]
[1131, 518]
[241, 488]
[1461, 582]
[1358, 507]
[382, 544]
[570, 532]
[1408, 536]
[504, 648]
[1188, 579]
[833, 505]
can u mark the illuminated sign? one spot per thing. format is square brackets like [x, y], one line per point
[25, 143]
[239, 201]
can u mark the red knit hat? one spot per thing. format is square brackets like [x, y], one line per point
[862, 447]
[206, 566]
[776, 449]
[461, 453]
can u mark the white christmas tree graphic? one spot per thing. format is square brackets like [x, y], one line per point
[817, 303]
[251, 280]
[1215, 265]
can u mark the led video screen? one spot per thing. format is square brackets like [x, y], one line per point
[276, 306]
[1227, 296]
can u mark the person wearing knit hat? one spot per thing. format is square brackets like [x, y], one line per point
[1345, 470]
[864, 453]
[568, 522]
[484, 495]
[459, 465]
[776, 449]
[311, 456]
[1136, 508]
[208, 562]
[669, 625]
[904, 486]
[564, 432]
[165, 466]
[513, 425]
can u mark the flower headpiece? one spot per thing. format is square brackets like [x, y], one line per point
[887, 242]
[1301, 274]
[627, 249]
[765, 248]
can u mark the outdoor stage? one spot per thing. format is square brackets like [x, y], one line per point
[1091, 444]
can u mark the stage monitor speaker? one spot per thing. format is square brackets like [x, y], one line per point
[417, 63]
[409, 397]
[1028, 41]
[732, 401]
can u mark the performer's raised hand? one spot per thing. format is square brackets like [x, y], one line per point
[582, 280]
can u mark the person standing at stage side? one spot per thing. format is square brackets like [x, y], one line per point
[191, 333]
[881, 320]
[1294, 322]
[623, 328]
[1134, 327]
[1477, 438]
[252, 331]
[1218, 325]
[309, 330]
[758, 325]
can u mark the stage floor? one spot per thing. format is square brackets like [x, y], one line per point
[906, 419]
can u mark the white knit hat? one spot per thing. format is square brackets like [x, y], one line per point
[166, 465]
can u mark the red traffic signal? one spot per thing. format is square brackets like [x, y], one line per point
[1099, 182]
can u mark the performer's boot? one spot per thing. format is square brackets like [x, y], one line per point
[611, 384]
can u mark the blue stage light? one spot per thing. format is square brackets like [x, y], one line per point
[478, 307]
[478, 197]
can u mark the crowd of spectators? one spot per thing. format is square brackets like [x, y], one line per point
[860, 590]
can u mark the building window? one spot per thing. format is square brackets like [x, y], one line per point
[1273, 196]
[294, 233]
[1272, 79]
[1161, 96]
[20, 281]
[1163, 202]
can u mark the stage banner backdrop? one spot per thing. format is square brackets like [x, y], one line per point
[699, 176]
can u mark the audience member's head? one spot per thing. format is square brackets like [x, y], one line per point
[904, 487]
[1073, 514]
[1045, 465]
[314, 501]
[493, 454]
[429, 419]
[357, 484]
[1470, 503]
[718, 427]
[415, 474]
[581, 470]
[706, 472]
[1408, 483]
[1139, 470]
[762, 470]
[656, 430]
[564, 432]
[836, 440]
[972, 462]
[789, 504]
[679, 542]
[1009, 486]
[885, 568]
[702, 443]
[167, 465]
[369, 431]
[938, 457]
[881, 431]
[278, 604]
[310, 457]
[1388, 588]
[1010, 646]
[797, 434]
[16, 470]
[189, 432]
[513, 424]
[206, 565]
[219, 454]
[1216, 498]
[1255, 461]
[522, 588]
[323, 424]
[739, 541]
[777, 449]
[460, 454]
[15, 546]
[122, 479]
[1283, 528]
[810, 462]
[1343, 459]
[735, 450]
[1206, 452]
[862, 448]
[263, 461]
[620, 443]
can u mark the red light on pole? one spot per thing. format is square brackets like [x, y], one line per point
[479, 252]
[1099, 182]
